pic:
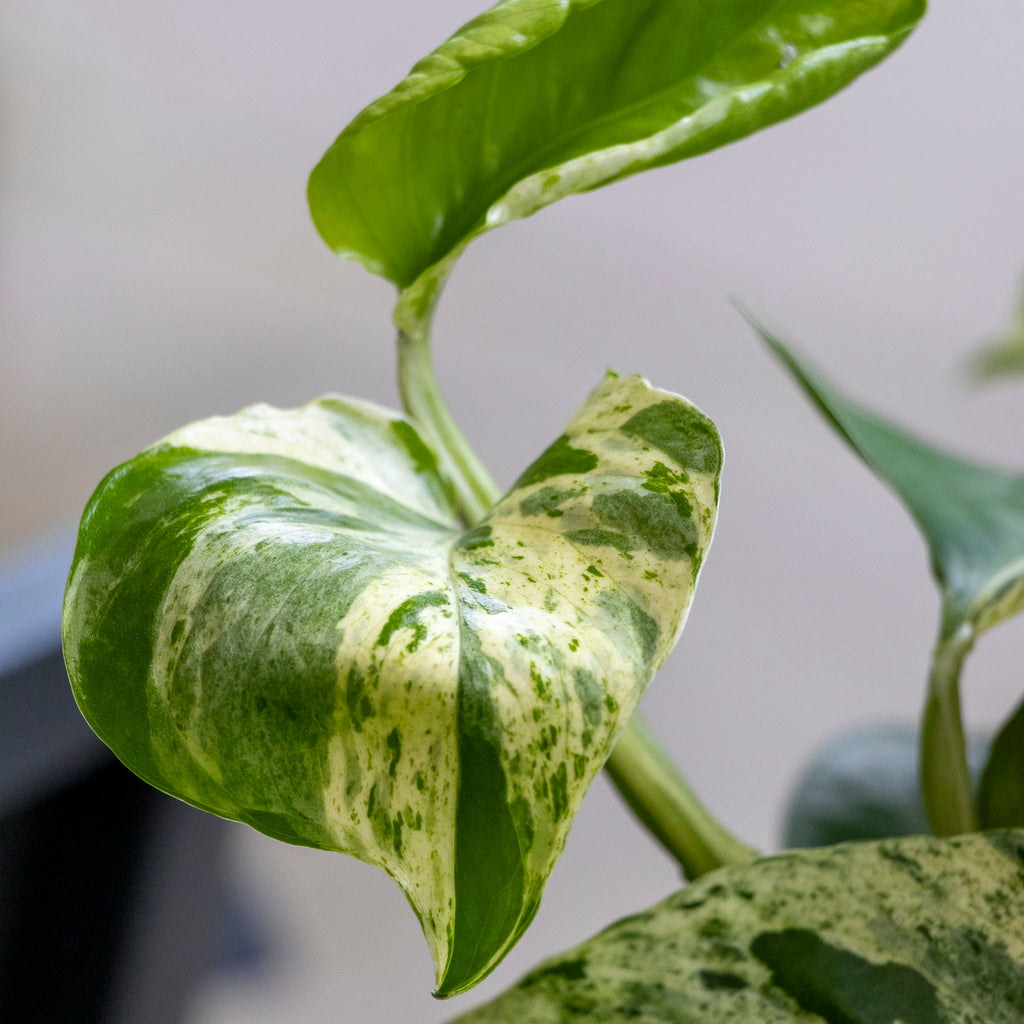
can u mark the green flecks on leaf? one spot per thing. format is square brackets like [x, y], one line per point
[839, 935]
[842, 987]
[560, 459]
[682, 432]
[394, 742]
[600, 538]
[407, 616]
[476, 538]
[661, 522]
[476, 585]
[590, 694]
[546, 501]
[560, 791]
[721, 981]
[357, 699]
[338, 666]
[423, 458]
[663, 480]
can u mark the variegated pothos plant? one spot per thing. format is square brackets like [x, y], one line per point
[329, 623]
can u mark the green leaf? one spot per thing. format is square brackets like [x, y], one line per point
[274, 616]
[1001, 799]
[535, 100]
[972, 519]
[902, 931]
[1005, 355]
[864, 784]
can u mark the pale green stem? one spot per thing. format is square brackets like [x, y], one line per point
[945, 777]
[421, 396]
[656, 792]
[639, 766]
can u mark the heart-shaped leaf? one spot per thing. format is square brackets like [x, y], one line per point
[535, 100]
[901, 931]
[972, 518]
[274, 616]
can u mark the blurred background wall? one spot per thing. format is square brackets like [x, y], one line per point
[159, 265]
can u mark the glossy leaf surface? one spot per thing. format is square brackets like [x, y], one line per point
[915, 931]
[535, 100]
[972, 519]
[274, 617]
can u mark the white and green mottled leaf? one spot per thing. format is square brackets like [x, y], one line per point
[535, 100]
[972, 518]
[902, 931]
[275, 617]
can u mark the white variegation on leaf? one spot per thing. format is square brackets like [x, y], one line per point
[901, 931]
[536, 100]
[275, 616]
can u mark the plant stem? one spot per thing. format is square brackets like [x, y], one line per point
[657, 794]
[945, 777]
[421, 395]
[639, 766]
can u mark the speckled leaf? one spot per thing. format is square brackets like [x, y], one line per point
[902, 931]
[535, 100]
[274, 616]
[972, 518]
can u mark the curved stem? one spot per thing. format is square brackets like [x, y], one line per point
[945, 777]
[657, 794]
[421, 396]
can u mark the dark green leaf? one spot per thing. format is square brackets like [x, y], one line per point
[535, 100]
[972, 519]
[864, 784]
[1001, 800]
[914, 931]
[274, 616]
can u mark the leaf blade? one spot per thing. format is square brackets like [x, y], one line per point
[920, 930]
[531, 102]
[275, 617]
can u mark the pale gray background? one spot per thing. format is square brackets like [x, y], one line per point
[159, 266]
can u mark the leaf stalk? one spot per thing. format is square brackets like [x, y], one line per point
[475, 488]
[658, 795]
[945, 776]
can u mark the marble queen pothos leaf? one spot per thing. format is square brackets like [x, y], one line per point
[535, 100]
[898, 931]
[275, 617]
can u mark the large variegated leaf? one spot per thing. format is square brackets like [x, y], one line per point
[905, 931]
[972, 518]
[274, 616]
[535, 100]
